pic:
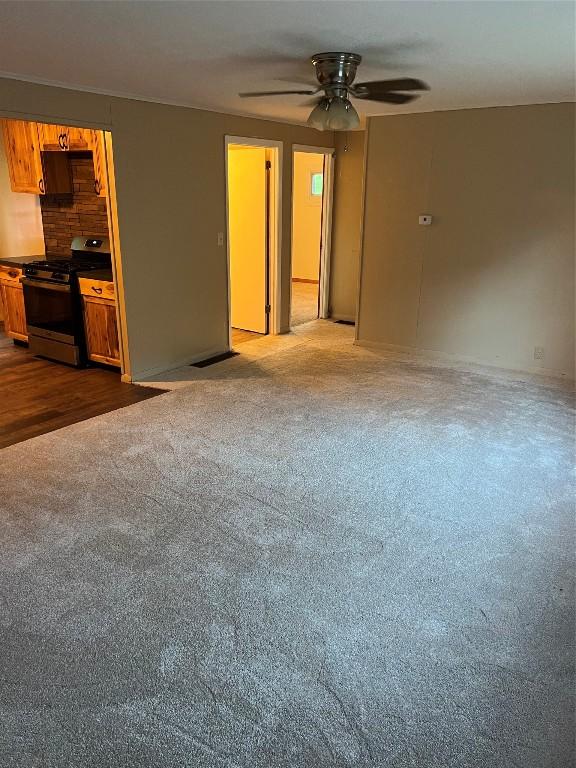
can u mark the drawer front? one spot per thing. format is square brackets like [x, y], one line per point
[100, 288]
[10, 274]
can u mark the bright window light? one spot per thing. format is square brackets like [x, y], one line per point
[316, 184]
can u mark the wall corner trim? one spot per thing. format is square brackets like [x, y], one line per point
[140, 376]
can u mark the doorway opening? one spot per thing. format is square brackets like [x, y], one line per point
[62, 315]
[312, 180]
[253, 185]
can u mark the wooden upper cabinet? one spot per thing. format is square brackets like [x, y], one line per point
[67, 138]
[99, 159]
[37, 156]
[77, 138]
[32, 170]
[50, 137]
[23, 155]
[63, 137]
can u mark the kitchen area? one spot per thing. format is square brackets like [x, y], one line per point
[60, 350]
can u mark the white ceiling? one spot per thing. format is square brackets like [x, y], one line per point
[473, 54]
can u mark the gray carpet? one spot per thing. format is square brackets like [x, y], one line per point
[326, 558]
[304, 303]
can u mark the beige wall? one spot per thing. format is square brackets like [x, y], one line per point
[170, 180]
[20, 220]
[307, 217]
[493, 277]
[21, 231]
[347, 224]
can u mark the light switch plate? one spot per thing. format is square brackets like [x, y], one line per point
[425, 219]
[220, 238]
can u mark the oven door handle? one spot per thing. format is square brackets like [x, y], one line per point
[45, 284]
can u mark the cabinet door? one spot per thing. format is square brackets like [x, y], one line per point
[101, 330]
[63, 137]
[14, 315]
[99, 159]
[77, 138]
[23, 153]
[52, 137]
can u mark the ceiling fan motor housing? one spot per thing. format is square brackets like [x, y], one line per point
[336, 71]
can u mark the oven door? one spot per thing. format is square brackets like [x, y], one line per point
[51, 310]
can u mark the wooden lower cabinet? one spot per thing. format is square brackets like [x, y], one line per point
[12, 298]
[98, 307]
[101, 328]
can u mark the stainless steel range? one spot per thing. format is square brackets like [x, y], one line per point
[52, 300]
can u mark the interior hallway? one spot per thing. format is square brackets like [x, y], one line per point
[304, 303]
[308, 554]
[304, 309]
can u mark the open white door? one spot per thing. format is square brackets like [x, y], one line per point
[326, 223]
[248, 237]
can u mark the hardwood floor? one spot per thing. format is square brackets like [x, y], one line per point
[304, 309]
[239, 336]
[39, 396]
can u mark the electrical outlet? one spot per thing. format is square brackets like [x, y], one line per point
[538, 353]
[220, 238]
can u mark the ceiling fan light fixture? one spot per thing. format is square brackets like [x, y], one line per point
[334, 114]
[335, 75]
[319, 116]
[341, 115]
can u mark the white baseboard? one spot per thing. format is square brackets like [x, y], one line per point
[449, 358]
[140, 376]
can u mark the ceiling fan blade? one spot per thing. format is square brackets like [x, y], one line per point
[392, 98]
[250, 94]
[297, 80]
[365, 90]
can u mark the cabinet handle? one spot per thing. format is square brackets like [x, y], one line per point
[96, 290]
[60, 140]
[96, 186]
[41, 186]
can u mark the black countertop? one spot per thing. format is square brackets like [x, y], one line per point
[20, 261]
[98, 274]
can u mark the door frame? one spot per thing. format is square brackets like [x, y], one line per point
[117, 273]
[112, 217]
[275, 233]
[326, 233]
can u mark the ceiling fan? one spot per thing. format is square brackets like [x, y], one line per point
[335, 73]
